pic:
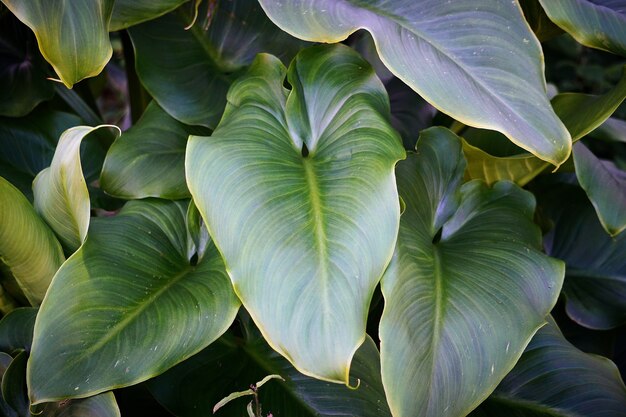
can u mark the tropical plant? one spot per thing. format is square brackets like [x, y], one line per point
[382, 208]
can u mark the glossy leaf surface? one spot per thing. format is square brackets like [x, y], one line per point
[192, 388]
[23, 82]
[149, 159]
[72, 36]
[16, 329]
[128, 305]
[555, 379]
[101, 405]
[189, 71]
[605, 185]
[131, 12]
[28, 247]
[468, 266]
[595, 282]
[581, 113]
[308, 209]
[596, 23]
[479, 61]
[61, 195]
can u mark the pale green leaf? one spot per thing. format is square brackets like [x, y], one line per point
[595, 23]
[128, 305]
[28, 247]
[191, 388]
[61, 195]
[581, 113]
[553, 378]
[188, 72]
[131, 12]
[605, 185]
[467, 266]
[231, 397]
[298, 192]
[72, 35]
[478, 60]
[149, 159]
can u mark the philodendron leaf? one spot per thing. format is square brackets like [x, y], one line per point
[581, 113]
[5, 409]
[72, 36]
[188, 72]
[128, 305]
[28, 247]
[308, 209]
[191, 388]
[16, 329]
[131, 12]
[478, 59]
[23, 71]
[605, 185]
[149, 159]
[14, 384]
[553, 378]
[595, 23]
[595, 281]
[61, 195]
[467, 266]
[101, 405]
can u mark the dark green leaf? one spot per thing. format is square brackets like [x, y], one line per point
[5, 409]
[131, 12]
[307, 200]
[188, 72]
[467, 266]
[128, 305]
[16, 329]
[14, 384]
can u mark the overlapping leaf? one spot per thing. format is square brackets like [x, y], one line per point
[192, 388]
[61, 194]
[72, 36]
[131, 12]
[595, 282]
[149, 159]
[189, 71]
[128, 305]
[16, 329]
[596, 23]
[555, 379]
[478, 60]
[297, 190]
[468, 265]
[581, 113]
[28, 247]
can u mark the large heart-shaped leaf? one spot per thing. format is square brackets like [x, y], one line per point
[467, 288]
[189, 71]
[555, 379]
[596, 23]
[605, 185]
[581, 113]
[149, 159]
[297, 189]
[23, 82]
[27, 246]
[595, 283]
[128, 305]
[72, 36]
[61, 195]
[131, 12]
[478, 59]
[193, 387]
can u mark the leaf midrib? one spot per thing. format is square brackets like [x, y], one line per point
[438, 316]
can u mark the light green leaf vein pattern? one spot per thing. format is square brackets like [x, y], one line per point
[72, 35]
[305, 238]
[61, 195]
[128, 305]
[459, 309]
[27, 246]
[476, 60]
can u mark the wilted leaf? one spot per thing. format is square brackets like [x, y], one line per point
[298, 192]
[128, 305]
[468, 265]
